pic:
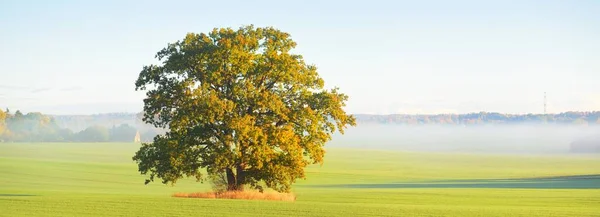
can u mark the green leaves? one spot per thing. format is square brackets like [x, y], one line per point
[237, 100]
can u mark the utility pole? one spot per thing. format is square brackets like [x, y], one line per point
[544, 103]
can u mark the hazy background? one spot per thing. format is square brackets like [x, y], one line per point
[498, 139]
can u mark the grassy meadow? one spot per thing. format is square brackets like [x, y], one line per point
[101, 180]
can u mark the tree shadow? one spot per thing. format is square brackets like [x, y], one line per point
[557, 182]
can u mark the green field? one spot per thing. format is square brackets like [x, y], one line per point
[101, 180]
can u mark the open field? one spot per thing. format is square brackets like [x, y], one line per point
[101, 180]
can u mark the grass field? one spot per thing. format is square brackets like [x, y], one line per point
[101, 180]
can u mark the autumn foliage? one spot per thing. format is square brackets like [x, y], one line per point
[239, 104]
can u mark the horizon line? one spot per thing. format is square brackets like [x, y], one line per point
[387, 114]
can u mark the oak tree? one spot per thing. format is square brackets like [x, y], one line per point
[238, 103]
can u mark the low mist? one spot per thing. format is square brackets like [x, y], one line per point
[501, 139]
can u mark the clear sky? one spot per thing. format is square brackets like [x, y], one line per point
[78, 57]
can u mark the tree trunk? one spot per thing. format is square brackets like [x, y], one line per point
[235, 180]
[231, 182]
[240, 177]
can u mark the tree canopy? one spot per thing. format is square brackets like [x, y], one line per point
[238, 103]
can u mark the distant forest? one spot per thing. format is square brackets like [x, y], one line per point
[37, 127]
[123, 127]
[482, 118]
[79, 122]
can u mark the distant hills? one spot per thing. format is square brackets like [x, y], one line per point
[80, 122]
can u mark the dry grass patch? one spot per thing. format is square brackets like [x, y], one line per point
[244, 195]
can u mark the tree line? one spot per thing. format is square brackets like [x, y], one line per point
[80, 122]
[122, 127]
[571, 118]
[37, 127]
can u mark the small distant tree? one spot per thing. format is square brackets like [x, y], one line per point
[94, 133]
[238, 103]
[3, 127]
[18, 115]
[65, 135]
[122, 133]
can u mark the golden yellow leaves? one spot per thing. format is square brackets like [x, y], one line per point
[251, 103]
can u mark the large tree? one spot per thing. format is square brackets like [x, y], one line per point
[237, 103]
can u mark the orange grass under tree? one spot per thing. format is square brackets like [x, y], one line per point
[245, 195]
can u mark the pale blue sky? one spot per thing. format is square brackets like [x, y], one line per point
[77, 57]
